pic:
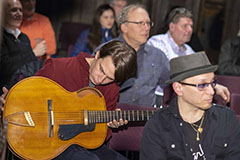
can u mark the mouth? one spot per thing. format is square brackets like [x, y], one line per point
[17, 18]
[209, 100]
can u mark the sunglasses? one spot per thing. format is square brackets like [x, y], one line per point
[201, 86]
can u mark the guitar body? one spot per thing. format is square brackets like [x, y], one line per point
[35, 135]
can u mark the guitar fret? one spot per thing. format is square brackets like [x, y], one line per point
[99, 116]
[133, 115]
[114, 116]
[89, 117]
[110, 115]
[137, 116]
[124, 115]
[120, 114]
[116, 112]
[129, 115]
[104, 116]
[107, 120]
[95, 116]
[142, 116]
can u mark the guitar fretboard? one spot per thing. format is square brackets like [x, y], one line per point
[130, 115]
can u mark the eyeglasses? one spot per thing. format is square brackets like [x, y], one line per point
[141, 23]
[202, 86]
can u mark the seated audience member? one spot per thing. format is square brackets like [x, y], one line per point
[39, 30]
[102, 30]
[173, 42]
[229, 58]
[117, 5]
[192, 127]
[16, 50]
[113, 63]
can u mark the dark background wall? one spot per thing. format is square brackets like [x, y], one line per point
[214, 20]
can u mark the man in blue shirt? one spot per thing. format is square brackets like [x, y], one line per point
[135, 25]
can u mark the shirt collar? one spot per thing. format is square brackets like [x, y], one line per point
[120, 37]
[174, 45]
[174, 110]
[15, 32]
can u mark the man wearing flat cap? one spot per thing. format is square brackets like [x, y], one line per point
[191, 127]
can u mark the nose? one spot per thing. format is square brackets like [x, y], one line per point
[146, 26]
[19, 12]
[190, 28]
[210, 90]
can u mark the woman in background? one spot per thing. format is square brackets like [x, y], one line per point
[103, 29]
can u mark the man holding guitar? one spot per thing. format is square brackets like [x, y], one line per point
[112, 64]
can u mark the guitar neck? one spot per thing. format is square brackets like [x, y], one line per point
[108, 116]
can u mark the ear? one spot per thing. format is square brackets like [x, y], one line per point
[97, 54]
[171, 26]
[124, 28]
[177, 87]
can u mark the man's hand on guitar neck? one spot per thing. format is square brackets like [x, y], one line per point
[116, 124]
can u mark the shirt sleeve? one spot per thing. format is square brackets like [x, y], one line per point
[227, 56]
[81, 44]
[49, 36]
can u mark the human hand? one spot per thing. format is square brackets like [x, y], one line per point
[223, 92]
[3, 99]
[40, 49]
[116, 124]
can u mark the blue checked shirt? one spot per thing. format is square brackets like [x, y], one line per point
[153, 70]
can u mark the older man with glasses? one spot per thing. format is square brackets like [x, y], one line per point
[192, 128]
[135, 24]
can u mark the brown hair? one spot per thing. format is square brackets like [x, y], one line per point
[124, 58]
[178, 13]
[95, 32]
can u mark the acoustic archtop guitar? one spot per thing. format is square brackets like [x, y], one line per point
[44, 119]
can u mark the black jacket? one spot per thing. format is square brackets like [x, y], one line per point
[14, 54]
[164, 138]
[229, 58]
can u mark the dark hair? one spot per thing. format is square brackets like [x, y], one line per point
[95, 32]
[178, 13]
[124, 58]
